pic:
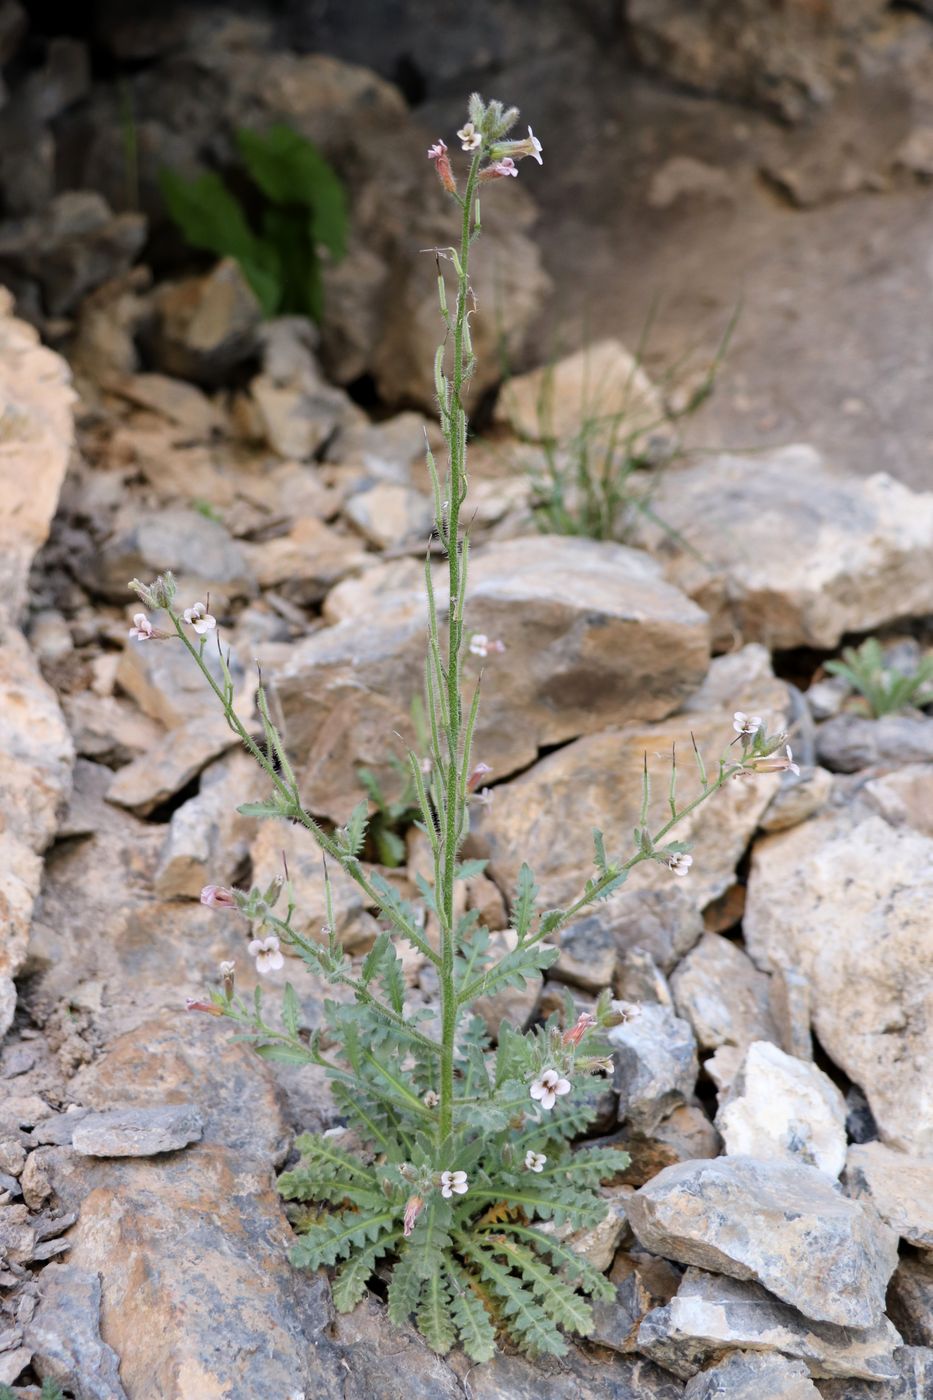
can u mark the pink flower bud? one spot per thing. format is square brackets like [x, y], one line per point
[192, 1005]
[216, 897]
[413, 1208]
[576, 1033]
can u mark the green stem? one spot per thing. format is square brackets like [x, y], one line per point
[454, 797]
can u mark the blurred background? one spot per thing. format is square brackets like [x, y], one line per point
[762, 165]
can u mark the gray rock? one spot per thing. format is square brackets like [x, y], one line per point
[574, 1377]
[798, 797]
[786, 1109]
[593, 636]
[65, 1339]
[642, 1283]
[712, 1314]
[205, 326]
[784, 1226]
[656, 1065]
[914, 1380]
[167, 767]
[587, 954]
[899, 1186]
[718, 989]
[851, 742]
[750, 1376]
[391, 516]
[847, 868]
[137, 1132]
[903, 796]
[200, 552]
[70, 248]
[745, 552]
[910, 1300]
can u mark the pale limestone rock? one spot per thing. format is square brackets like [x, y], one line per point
[206, 325]
[718, 989]
[712, 1314]
[749, 1376]
[137, 1132]
[785, 551]
[181, 403]
[199, 551]
[655, 1065]
[592, 634]
[167, 685]
[642, 1283]
[903, 797]
[597, 782]
[845, 900]
[851, 742]
[64, 1335]
[208, 839]
[597, 385]
[786, 1109]
[914, 1380]
[798, 799]
[513, 1004]
[785, 1226]
[598, 1243]
[170, 765]
[899, 1186]
[305, 563]
[389, 516]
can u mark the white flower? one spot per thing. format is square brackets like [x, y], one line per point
[431, 1099]
[484, 797]
[200, 619]
[746, 724]
[453, 1182]
[141, 628]
[534, 1161]
[470, 137]
[547, 1087]
[267, 953]
[506, 166]
[480, 645]
[680, 864]
[536, 147]
[227, 969]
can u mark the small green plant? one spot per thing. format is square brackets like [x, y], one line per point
[885, 688]
[50, 1391]
[597, 480]
[302, 210]
[392, 815]
[457, 1156]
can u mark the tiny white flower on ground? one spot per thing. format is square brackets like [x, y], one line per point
[200, 619]
[746, 724]
[430, 1100]
[547, 1087]
[534, 1161]
[141, 629]
[267, 953]
[680, 864]
[453, 1182]
[470, 137]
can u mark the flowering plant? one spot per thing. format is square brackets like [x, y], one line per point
[457, 1164]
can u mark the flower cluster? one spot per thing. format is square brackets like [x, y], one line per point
[485, 135]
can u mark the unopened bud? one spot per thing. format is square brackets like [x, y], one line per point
[413, 1208]
[216, 897]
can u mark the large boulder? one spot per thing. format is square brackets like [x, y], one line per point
[592, 634]
[711, 1314]
[36, 752]
[844, 899]
[783, 1226]
[783, 550]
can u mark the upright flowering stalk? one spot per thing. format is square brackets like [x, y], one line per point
[454, 778]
